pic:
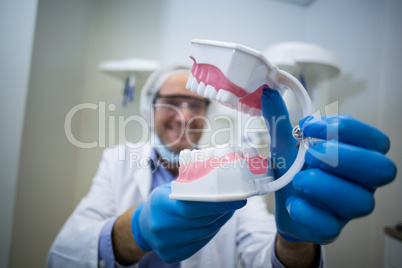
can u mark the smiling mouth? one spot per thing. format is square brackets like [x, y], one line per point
[176, 130]
[184, 129]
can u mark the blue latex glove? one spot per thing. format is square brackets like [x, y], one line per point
[176, 229]
[340, 176]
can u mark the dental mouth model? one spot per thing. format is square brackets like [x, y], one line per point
[234, 75]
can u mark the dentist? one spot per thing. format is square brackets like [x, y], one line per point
[128, 220]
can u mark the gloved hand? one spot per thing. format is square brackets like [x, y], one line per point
[176, 229]
[340, 176]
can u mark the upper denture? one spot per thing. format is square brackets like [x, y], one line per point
[211, 75]
[205, 77]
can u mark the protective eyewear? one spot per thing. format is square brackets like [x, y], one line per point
[168, 103]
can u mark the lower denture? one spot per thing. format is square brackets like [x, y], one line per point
[194, 171]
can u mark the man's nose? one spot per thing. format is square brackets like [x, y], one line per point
[185, 112]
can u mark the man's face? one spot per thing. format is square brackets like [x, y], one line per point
[178, 114]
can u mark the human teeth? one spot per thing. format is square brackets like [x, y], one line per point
[250, 152]
[227, 98]
[189, 81]
[210, 92]
[201, 89]
[194, 85]
[184, 157]
[221, 152]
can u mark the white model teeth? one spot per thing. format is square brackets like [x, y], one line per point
[189, 81]
[184, 157]
[192, 156]
[210, 92]
[244, 109]
[201, 89]
[250, 152]
[198, 155]
[255, 112]
[209, 152]
[194, 85]
[221, 152]
[222, 96]
[187, 156]
[248, 110]
[227, 98]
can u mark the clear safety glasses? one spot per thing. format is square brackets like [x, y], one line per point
[173, 103]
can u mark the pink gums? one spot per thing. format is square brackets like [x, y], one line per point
[197, 170]
[253, 99]
[212, 75]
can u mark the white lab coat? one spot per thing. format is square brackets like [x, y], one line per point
[119, 184]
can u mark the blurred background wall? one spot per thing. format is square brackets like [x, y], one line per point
[17, 25]
[43, 176]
